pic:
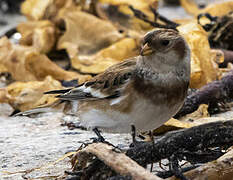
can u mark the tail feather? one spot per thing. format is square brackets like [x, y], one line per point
[42, 109]
[36, 111]
[62, 91]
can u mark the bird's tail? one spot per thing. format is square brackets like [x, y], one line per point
[42, 109]
[46, 108]
[62, 91]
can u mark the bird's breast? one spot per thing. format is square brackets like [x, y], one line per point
[167, 92]
[149, 114]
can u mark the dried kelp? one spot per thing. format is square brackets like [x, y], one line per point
[26, 95]
[220, 30]
[25, 63]
[215, 9]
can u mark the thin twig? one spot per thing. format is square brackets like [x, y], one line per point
[140, 15]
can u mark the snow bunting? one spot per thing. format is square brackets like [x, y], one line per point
[144, 91]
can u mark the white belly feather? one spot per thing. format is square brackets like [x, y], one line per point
[144, 115]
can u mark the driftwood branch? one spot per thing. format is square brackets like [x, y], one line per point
[220, 169]
[213, 93]
[191, 144]
[119, 162]
[198, 144]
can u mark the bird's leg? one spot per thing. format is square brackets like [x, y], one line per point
[100, 137]
[161, 165]
[133, 133]
[174, 167]
[152, 139]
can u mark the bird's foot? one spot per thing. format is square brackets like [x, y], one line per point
[74, 125]
[175, 168]
[99, 138]
[133, 134]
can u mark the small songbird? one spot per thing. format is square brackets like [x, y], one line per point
[144, 91]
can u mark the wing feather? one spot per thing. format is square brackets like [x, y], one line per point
[105, 85]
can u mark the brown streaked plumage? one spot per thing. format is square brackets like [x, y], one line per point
[144, 91]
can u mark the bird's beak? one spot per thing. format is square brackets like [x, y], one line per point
[146, 50]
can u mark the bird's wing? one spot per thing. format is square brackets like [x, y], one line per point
[108, 84]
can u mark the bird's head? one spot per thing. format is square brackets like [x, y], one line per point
[165, 43]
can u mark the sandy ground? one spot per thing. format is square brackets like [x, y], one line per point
[27, 143]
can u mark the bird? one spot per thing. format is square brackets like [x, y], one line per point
[144, 91]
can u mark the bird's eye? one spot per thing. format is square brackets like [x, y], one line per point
[164, 42]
